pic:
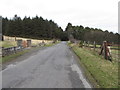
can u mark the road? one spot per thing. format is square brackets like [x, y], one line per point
[52, 67]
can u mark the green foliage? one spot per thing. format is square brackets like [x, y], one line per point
[39, 28]
[81, 44]
[36, 27]
[92, 34]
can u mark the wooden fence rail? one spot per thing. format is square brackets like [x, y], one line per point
[100, 47]
[104, 49]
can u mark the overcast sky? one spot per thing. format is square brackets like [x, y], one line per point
[93, 13]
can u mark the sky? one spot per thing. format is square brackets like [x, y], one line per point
[101, 14]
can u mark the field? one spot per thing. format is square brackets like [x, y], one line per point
[14, 56]
[10, 41]
[104, 72]
[7, 44]
[114, 51]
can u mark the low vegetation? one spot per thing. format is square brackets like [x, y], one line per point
[7, 44]
[51, 44]
[92, 34]
[104, 72]
[35, 28]
[13, 56]
[10, 41]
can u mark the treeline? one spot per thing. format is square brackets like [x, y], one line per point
[40, 28]
[91, 34]
[36, 27]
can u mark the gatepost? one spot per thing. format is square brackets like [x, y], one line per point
[24, 43]
[94, 45]
[19, 42]
[105, 49]
[28, 43]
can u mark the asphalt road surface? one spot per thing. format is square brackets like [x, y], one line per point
[52, 67]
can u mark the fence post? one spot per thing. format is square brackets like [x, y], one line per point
[15, 38]
[24, 43]
[3, 52]
[28, 43]
[14, 49]
[88, 43]
[19, 42]
[94, 45]
[106, 50]
[84, 43]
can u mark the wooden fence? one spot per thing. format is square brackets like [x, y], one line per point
[104, 49]
[94, 45]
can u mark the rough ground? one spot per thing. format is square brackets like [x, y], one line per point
[51, 67]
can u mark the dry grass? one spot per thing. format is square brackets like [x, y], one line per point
[10, 41]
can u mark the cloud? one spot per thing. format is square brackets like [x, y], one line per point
[94, 13]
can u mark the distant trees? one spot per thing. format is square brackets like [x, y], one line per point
[91, 34]
[39, 28]
[36, 27]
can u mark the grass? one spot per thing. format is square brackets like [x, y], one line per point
[7, 44]
[51, 44]
[103, 71]
[117, 47]
[13, 56]
[10, 42]
[48, 45]
[34, 41]
[115, 55]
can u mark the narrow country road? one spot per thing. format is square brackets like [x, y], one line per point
[52, 67]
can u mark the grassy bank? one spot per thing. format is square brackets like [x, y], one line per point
[7, 44]
[104, 72]
[10, 41]
[51, 44]
[14, 56]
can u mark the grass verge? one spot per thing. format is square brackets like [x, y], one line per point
[7, 44]
[14, 56]
[104, 72]
[51, 44]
